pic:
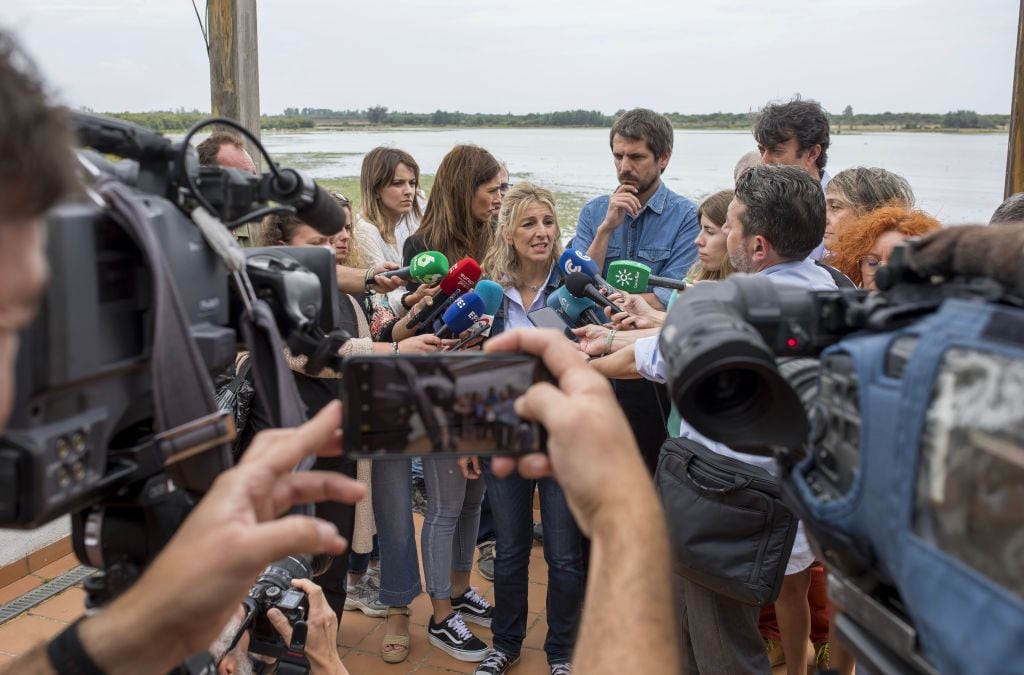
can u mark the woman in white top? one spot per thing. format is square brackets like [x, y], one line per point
[388, 185]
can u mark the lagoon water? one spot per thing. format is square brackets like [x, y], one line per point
[957, 178]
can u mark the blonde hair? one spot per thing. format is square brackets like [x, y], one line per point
[502, 262]
[355, 251]
[448, 225]
[379, 167]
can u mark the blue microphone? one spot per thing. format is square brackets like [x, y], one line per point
[492, 294]
[574, 310]
[572, 261]
[463, 313]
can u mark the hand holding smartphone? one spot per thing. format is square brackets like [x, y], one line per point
[439, 404]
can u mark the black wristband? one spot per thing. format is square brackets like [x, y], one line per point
[68, 656]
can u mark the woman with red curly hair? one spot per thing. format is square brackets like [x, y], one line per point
[867, 244]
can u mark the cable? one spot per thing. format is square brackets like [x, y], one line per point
[186, 143]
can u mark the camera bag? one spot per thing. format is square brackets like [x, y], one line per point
[729, 529]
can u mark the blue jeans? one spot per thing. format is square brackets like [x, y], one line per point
[392, 509]
[450, 525]
[512, 506]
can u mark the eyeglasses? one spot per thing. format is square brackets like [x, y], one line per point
[504, 187]
[869, 264]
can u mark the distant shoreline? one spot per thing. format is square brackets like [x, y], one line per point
[836, 131]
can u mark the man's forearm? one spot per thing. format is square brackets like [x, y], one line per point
[620, 365]
[630, 567]
[599, 247]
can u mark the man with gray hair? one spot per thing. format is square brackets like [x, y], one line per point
[1010, 211]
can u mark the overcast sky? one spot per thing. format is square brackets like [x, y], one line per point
[539, 55]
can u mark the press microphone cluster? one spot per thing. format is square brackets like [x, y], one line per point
[460, 316]
[428, 267]
[572, 262]
[634, 277]
[461, 278]
[574, 311]
[581, 285]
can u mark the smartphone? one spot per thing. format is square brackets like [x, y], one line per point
[441, 404]
[545, 317]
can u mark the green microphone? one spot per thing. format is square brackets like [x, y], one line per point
[633, 277]
[428, 267]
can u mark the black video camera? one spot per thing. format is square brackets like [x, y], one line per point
[114, 419]
[273, 590]
[903, 451]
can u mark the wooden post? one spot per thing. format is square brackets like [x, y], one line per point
[1015, 154]
[234, 70]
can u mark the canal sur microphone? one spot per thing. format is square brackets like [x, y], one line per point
[582, 286]
[428, 267]
[463, 313]
[572, 260]
[635, 277]
[572, 309]
[460, 279]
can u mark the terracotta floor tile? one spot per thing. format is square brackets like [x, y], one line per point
[67, 606]
[19, 635]
[536, 633]
[58, 567]
[18, 588]
[532, 662]
[538, 597]
[365, 663]
[355, 626]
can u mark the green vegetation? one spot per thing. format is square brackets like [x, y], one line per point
[567, 204]
[310, 118]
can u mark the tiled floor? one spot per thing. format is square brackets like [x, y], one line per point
[359, 638]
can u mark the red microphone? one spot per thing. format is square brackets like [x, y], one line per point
[461, 278]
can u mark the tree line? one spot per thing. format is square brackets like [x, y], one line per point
[308, 118]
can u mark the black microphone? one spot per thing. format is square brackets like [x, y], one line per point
[313, 205]
[582, 286]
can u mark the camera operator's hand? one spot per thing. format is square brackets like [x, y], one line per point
[593, 339]
[321, 631]
[591, 450]
[184, 599]
[592, 454]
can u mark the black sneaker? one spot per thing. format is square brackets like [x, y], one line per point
[564, 668]
[452, 636]
[496, 663]
[474, 608]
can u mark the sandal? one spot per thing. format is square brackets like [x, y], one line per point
[398, 643]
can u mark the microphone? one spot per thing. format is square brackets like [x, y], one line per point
[492, 294]
[571, 308]
[635, 277]
[572, 261]
[313, 205]
[464, 312]
[428, 267]
[581, 286]
[460, 279]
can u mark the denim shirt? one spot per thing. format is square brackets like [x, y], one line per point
[662, 236]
